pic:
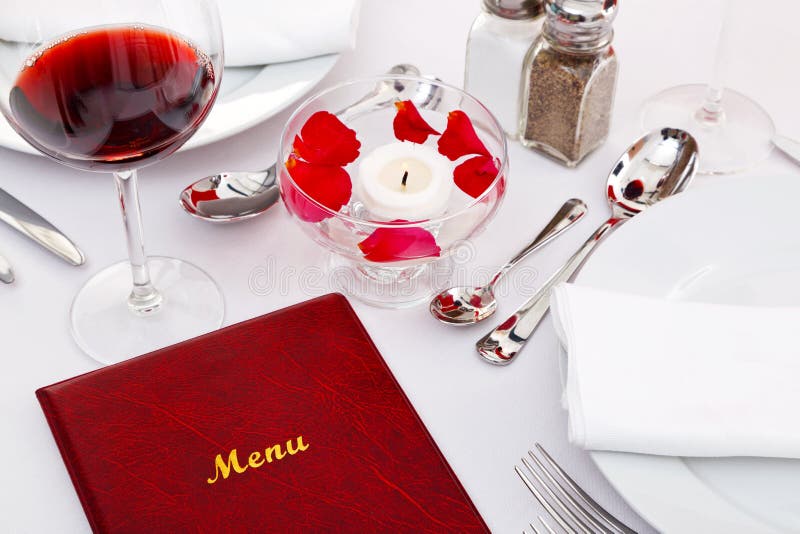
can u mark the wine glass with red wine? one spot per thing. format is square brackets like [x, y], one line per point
[113, 86]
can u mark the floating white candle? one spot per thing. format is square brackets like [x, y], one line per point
[405, 181]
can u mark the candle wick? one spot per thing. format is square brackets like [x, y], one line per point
[405, 179]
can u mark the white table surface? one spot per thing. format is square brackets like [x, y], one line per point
[483, 418]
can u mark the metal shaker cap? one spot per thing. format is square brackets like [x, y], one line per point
[580, 24]
[515, 9]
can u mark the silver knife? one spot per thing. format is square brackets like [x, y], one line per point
[19, 216]
[6, 274]
[789, 146]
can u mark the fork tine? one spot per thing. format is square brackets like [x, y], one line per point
[546, 526]
[598, 526]
[535, 530]
[539, 497]
[583, 527]
[601, 512]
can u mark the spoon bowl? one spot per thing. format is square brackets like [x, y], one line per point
[654, 167]
[239, 195]
[464, 305]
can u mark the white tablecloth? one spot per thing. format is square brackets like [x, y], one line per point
[483, 418]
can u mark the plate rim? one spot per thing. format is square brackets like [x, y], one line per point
[632, 475]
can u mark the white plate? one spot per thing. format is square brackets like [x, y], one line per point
[248, 95]
[731, 241]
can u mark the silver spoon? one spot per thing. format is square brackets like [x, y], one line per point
[660, 164]
[467, 305]
[248, 194]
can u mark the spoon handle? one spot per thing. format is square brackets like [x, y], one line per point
[502, 344]
[573, 210]
[6, 273]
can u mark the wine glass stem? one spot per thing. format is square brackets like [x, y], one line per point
[712, 113]
[144, 298]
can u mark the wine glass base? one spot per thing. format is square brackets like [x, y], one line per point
[387, 285]
[108, 331]
[741, 139]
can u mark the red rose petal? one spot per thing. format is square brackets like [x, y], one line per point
[398, 244]
[475, 175]
[203, 196]
[508, 324]
[446, 302]
[328, 185]
[409, 125]
[325, 140]
[476, 301]
[459, 138]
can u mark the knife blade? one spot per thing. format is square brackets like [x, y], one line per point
[31, 224]
[789, 146]
[6, 273]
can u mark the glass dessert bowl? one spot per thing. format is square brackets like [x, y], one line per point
[393, 183]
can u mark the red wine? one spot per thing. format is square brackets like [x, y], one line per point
[113, 97]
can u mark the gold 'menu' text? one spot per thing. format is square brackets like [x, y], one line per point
[255, 459]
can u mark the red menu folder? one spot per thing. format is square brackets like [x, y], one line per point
[290, 422]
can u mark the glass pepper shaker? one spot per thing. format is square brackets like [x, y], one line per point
[498, 41]
[570, 76]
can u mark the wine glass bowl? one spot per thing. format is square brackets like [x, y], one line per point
[394, 256]
[113, 86]
[112, 98]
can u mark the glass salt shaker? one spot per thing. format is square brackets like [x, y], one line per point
[570, 76]
[498, 41]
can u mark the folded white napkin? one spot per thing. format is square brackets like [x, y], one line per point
[270, 31]
[256, 32]
[679, 378]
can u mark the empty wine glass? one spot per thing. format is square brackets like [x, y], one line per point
[113, 86]
[733, 131]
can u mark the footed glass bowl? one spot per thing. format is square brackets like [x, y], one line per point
[392, 175]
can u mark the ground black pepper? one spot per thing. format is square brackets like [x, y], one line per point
[569, 81]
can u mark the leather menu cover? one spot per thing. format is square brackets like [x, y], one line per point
[289, 422]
